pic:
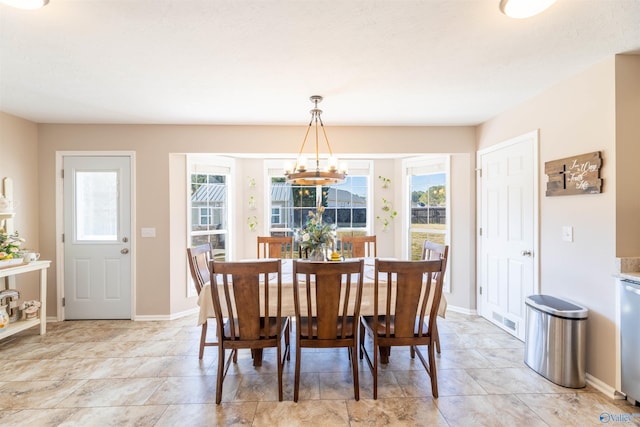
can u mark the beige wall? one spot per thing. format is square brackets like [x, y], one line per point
[18, 161]
[574, 117]
[627, 155]
[160, 165]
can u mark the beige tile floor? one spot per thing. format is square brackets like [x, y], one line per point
[124, 373]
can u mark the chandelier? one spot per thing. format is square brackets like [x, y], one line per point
[299, 174]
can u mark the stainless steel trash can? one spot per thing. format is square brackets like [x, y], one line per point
[555, 339]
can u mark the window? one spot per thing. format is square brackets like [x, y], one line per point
[96, 206]
[208, 204]
[428, 204]
[276, 216]
[346, 204]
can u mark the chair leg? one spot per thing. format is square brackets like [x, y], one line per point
[296, 382]
[220, 378]
[279, 361]
[436, 336]
[432, 371]
[362, 332]
[375, 367]
[203, 336]
[354, 364]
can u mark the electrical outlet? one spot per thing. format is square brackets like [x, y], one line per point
[567, 233]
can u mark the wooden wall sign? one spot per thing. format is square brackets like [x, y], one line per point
[574, 175]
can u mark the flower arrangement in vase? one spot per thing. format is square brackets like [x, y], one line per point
[316, 235]
[10, 248]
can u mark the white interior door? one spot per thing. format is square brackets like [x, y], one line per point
[97, 233]
[507, 271]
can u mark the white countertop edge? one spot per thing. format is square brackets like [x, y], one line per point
[634, 276]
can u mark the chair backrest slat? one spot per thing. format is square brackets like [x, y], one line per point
[408, 284]
[244, 285]
[359, 246]
[330, 291]
[199, 257]
[275, 247]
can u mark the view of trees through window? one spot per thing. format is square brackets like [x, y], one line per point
[428, 210]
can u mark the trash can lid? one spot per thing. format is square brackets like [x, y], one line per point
[557, 307]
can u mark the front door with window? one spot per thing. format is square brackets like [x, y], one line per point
[97, 233]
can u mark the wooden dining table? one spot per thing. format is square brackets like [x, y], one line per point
[366, 308]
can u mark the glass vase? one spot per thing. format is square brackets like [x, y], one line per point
[317, 254]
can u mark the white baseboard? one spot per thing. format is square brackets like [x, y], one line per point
[602, 387]
[172, 316]
[461, 310]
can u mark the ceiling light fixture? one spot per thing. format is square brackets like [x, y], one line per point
[299, 174]
[524, 8]
[25, 4]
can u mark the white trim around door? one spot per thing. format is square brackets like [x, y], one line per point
[59, 211]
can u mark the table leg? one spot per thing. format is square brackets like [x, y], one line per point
[256, 353]
[384, 354]
[43, 301]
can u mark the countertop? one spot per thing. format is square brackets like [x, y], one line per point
[628, 268]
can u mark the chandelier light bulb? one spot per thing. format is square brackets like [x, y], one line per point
[521, 9]
[25, 4]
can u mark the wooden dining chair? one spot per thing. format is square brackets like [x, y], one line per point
[359, 246]
[327, 299]
[199, 257]
[241, 290]
[430, 251]
[275, 247]
[409, 321]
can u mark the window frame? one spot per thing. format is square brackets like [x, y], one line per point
[210, 165]
[408, 167]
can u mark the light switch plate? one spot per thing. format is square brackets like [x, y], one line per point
[567, 233]
[148, 232]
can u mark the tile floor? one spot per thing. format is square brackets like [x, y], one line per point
[124, 373]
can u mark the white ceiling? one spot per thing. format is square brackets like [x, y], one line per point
[428, 62]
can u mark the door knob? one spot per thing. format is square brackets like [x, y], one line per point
[124, 251]
[526, 253]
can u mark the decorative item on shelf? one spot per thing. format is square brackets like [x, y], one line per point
[10, 252]
[298, 174]
[316, 236]
[9, 298]
[388, 214]
[385, 181]
[30, 309]
[253, 222]
[252, 202]
[252, 182]
[4, 319]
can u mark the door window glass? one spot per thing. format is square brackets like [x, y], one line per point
[96, 207]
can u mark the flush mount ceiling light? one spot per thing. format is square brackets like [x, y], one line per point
[299, 174]
[524, 8]
[25, 4]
